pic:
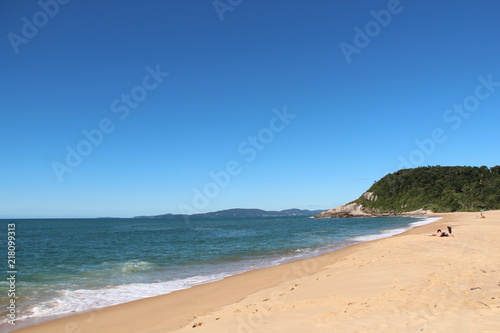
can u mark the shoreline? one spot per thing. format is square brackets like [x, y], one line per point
[371, 235]
[422, 219]
[175, 310]
[32, 323]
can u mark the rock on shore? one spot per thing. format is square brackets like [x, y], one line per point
[350, 210]
[355, 209]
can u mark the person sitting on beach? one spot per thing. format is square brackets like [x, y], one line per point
[480, 216]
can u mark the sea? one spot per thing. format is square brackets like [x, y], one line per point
[66, 266]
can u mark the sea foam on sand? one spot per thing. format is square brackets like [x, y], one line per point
[392, 232]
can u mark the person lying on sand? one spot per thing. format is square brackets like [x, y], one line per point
[480, 216]
[440, 233]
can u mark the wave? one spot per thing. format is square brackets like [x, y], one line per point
[106, 270]
[78, 300]
[133, 266]
[392, 232]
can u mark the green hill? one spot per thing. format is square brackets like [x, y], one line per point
[438, 188]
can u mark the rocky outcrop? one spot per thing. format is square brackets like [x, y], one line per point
[350, 210]
[370, 196]
[355, 209]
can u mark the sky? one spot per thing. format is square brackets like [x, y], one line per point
[123, 108]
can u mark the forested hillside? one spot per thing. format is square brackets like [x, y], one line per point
[441, 189]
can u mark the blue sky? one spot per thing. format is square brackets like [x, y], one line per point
[195, 107]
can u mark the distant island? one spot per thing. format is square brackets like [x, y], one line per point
[421, 190]
[242, 212]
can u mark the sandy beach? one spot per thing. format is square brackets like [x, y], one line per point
[406, 283]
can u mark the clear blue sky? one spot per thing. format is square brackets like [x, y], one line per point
[354, 96]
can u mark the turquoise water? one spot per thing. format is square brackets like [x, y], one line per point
[66, 265]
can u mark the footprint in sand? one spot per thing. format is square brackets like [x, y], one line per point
[484, 304]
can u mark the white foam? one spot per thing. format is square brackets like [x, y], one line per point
[306, 250]
[424, 221]
[392, 232]
[89, 299]
[382, 234]
[132, 266]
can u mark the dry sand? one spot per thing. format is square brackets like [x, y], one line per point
[406, 283]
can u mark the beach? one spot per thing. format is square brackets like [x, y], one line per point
[409, 282]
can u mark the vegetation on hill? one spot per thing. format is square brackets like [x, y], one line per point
[438, 188]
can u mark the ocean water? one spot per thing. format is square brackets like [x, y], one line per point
[69, 265]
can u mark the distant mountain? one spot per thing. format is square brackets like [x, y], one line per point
[433, 188]
[242, 212]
